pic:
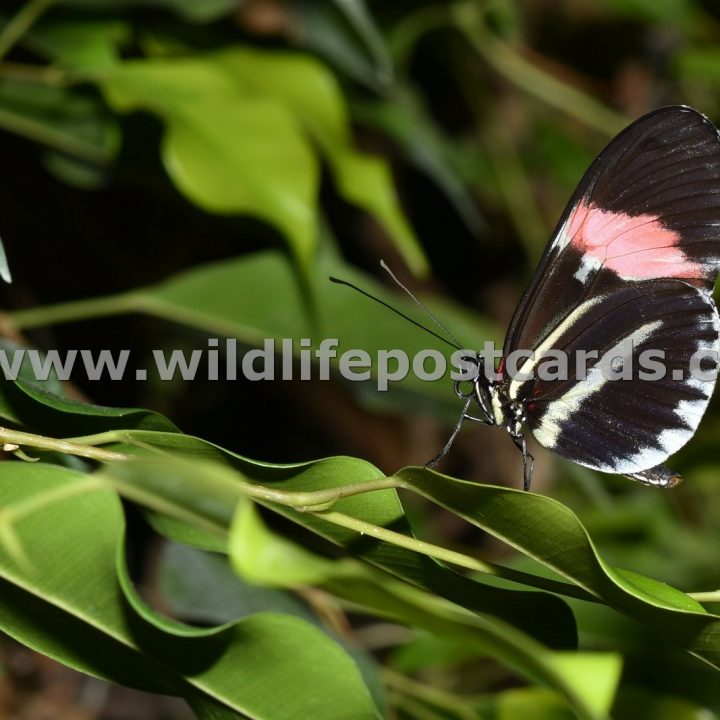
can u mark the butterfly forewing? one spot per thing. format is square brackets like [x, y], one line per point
[648, 208]
[634, 259]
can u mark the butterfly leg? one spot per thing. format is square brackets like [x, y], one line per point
[528, 460]
[463, 416]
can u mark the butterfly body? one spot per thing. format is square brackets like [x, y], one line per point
[630, 267]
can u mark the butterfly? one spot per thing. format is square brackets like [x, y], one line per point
[631, 263]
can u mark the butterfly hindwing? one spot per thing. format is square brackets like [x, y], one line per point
[626, 424]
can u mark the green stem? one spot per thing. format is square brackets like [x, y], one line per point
[505, 60]
[75, 310]
[413, 709]
[26, 17]
[17, 437]
[713, 596]
[319, 500]
[451, 556]
[103, 438]
[42, 74]
[436, 697]
[513, 184]
[53, 138]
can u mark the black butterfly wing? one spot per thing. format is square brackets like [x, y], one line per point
[637, 420]
[647, 208]
[635, 255]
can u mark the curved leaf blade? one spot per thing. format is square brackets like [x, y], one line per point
[75, 603]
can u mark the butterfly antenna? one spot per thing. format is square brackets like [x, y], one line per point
[454, 344]
[420, 304]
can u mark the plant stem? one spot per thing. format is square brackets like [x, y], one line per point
[436, 697]
[41, 74]
[53, 138]
[409, 543]
[26, 17]
[451, 556]
[75, 310]
[17, 437]
[712, 596]
[505, 60]
[319, 500]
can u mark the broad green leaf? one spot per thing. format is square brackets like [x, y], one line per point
[185, 574]
[238, 125]
[90, 45]
[426, 651]
[312, 94]
[535, 703]
[651, 664]
[72, 600]
[43, 408]
[228, 149]
[258, 298]
[265, 558]
[522, 520]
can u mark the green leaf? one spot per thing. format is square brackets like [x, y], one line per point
[78, 44]
[634, 703]
[238, 125]
[75, 603]
[265, 558]
[535, 703]
[43, 406]
[312, 94]
[257, 298]
[700, 63]
[522, 520]
[185, 574]
[660, 11]
[228, 150]
[345, 34]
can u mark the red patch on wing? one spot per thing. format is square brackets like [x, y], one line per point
[636, 247]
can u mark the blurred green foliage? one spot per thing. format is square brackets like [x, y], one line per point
[182, 169]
